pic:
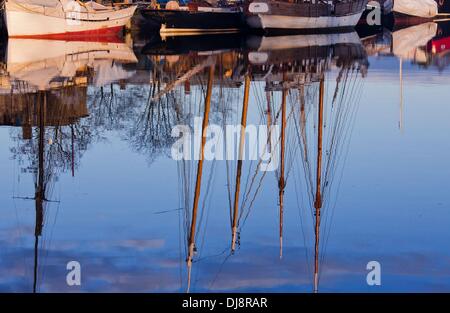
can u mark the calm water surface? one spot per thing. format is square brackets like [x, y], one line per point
[87, 173]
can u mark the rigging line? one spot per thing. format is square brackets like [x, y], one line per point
[304, 233]
[206, 196]
[342, 127]
[253, 199]
[207, 218]
[253, 179]
[335, 130]
[180, 255]
[352, 119]
[306, 169]
[249, 189]
[247, 186]
[302, 143]
[345, 158]
[220, 269]
[211, 256]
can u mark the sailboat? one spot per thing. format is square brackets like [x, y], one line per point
[425, 9]
[198, 16]
[59, 19]
[272, 15]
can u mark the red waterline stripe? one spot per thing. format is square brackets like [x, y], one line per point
[110, 34]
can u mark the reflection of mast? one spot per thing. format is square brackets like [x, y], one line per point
[269, 118]
[303, 116]
[72, 136]
[401, 95]
[318, 197]
[199, 176]
[281, 182]
[239, 164]
[39, 187]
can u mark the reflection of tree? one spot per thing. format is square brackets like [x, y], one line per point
[145, 125]
[146, 122]
[58, 119]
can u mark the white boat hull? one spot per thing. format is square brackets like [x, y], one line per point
[266, 21]
[26, 23]
[419, 8]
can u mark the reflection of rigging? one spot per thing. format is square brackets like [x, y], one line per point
[332, 129]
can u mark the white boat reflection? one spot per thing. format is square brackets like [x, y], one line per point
[48, 64]
[264, 47]
[408, 43]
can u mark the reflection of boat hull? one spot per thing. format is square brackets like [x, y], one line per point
[274, 15]
[27, 23]
[201, 43]
[50, 64]
[273, 50]
[194, 22]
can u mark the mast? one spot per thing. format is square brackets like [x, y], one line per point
[239, 164]
[281, 182]
[318, 197]
[198, 182]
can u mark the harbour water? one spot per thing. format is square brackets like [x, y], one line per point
[87, 172]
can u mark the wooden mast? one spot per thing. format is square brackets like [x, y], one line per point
[191, 243]
[281, 182]
[318, 197]
[239, 164]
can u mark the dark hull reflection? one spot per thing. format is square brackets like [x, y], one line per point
[187, 44]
